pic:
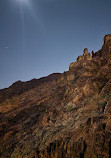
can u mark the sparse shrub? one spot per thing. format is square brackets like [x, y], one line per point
[103, 103]
[70, 108]
[107, 95]
[12, 101]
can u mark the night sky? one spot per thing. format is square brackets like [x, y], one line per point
[40, 37]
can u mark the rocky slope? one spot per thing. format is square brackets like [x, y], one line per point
[63, 115]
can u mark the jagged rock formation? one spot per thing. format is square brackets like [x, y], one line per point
[82, 59]
[64, 115]
[20, 87]
[107, 41]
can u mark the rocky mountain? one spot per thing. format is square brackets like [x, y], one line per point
[64, 115]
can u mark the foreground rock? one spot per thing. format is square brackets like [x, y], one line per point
[63, 115]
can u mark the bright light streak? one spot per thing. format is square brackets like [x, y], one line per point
[23, 1]
[26, 8]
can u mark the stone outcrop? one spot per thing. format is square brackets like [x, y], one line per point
[64, 115]
[85, 57]
[107, 39]
[107, 43]
[82, 59]
[106, 48]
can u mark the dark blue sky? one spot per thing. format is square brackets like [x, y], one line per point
[39, 37]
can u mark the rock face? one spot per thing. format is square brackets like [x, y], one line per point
[64, 115]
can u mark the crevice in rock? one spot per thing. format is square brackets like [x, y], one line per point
[110, 149]
[76, 78]
[101, 88]
[84, 150]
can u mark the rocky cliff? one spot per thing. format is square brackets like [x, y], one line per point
[64, 115]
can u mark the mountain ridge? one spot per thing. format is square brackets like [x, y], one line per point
[63, 115]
